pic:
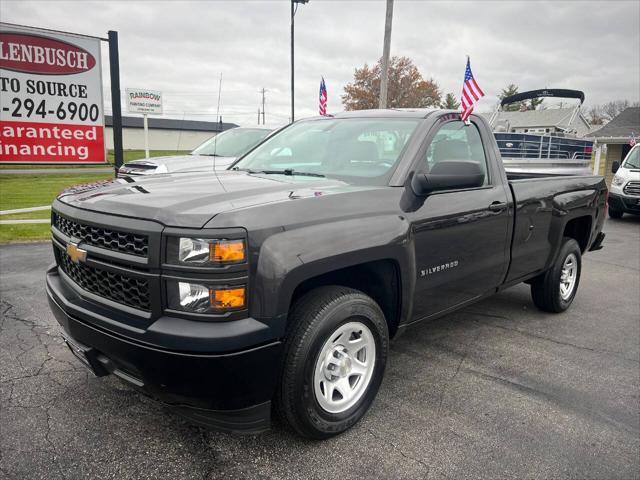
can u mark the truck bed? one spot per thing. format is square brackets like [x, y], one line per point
[542, 204]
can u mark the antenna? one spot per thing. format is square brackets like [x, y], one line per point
[219, 93]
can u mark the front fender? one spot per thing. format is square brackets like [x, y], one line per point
[288, 258]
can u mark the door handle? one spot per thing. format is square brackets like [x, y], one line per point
[497, 206]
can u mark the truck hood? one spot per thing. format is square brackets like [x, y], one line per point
[177, 163]
[191, 200]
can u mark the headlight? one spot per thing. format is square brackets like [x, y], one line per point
[205, 252]
[197, 298]
[617, 180]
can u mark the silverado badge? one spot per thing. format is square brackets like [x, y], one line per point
[76, 254]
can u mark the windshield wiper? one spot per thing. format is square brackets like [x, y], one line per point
[286, 171]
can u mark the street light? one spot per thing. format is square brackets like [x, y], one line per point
[294, 8]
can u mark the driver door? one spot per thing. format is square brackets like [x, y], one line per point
[461, 235]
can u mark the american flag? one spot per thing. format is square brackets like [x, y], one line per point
[323, 97]
[471, 92]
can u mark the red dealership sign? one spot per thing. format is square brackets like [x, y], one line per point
[42, 55]
[51, 106]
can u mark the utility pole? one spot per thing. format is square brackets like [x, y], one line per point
[116, 108]
[294, 7]
[258, 115]
[263, 91]
[384, 77]
[293, 12]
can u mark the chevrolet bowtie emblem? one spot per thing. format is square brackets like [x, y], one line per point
[76, 254]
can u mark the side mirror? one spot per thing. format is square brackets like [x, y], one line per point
[446, 175]
[615, 166]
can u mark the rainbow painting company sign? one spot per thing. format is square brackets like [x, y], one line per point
[51, 104]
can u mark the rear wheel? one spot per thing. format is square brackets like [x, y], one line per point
[334, 361]
[615, 213]
[555, 290]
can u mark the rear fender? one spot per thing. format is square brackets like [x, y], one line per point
[566, 207]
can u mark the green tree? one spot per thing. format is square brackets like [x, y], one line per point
[534, 103]
[407, 88]
[510, 89]
[450, 102]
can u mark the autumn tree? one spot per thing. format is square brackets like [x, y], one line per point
[406, 89]
[450, 102]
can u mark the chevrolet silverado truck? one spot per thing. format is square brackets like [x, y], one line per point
[276, 286]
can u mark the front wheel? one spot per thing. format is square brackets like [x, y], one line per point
[615, 213]
[555, 290]
[335, 357]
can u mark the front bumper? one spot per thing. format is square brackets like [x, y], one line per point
[624, 203]
[228, 391]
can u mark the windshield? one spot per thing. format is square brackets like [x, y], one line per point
[633, 159]
[361, 150]
[231, 143]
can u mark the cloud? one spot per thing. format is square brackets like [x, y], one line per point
[182, 47]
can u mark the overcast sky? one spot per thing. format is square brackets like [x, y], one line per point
[181, 47]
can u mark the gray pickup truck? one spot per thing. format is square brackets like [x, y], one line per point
[277, 285]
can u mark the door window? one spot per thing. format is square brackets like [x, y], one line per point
[456, 141]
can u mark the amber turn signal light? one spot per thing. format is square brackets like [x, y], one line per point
[227, 298]
[227, 251]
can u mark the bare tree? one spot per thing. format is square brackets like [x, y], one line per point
[595, 115]
[613, 109]
[602, 114]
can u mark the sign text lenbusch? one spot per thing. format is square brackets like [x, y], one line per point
[147, 102]
[51, 106]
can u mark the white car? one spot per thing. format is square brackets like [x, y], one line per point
[217, 153]
[624, 194]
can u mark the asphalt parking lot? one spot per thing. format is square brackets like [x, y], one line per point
[499, 390]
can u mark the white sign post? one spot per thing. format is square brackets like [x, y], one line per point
[51, 104]
[146, 102]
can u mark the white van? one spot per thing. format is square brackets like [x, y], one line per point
[624, 194]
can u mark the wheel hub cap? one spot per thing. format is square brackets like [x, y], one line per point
[337, 363]
[568, 276]
[344, 367]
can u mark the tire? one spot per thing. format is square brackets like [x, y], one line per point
[317, 361]
[615, 213]
[555, 290]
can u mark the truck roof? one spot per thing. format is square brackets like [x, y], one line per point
[388, 113]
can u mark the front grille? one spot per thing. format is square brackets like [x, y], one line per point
[120, 288]
[131, 243]
[632, 188]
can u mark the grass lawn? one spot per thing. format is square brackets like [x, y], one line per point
[27, 216]
[21, 191]
[136, 154]
[24, 233]
[128, 156]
